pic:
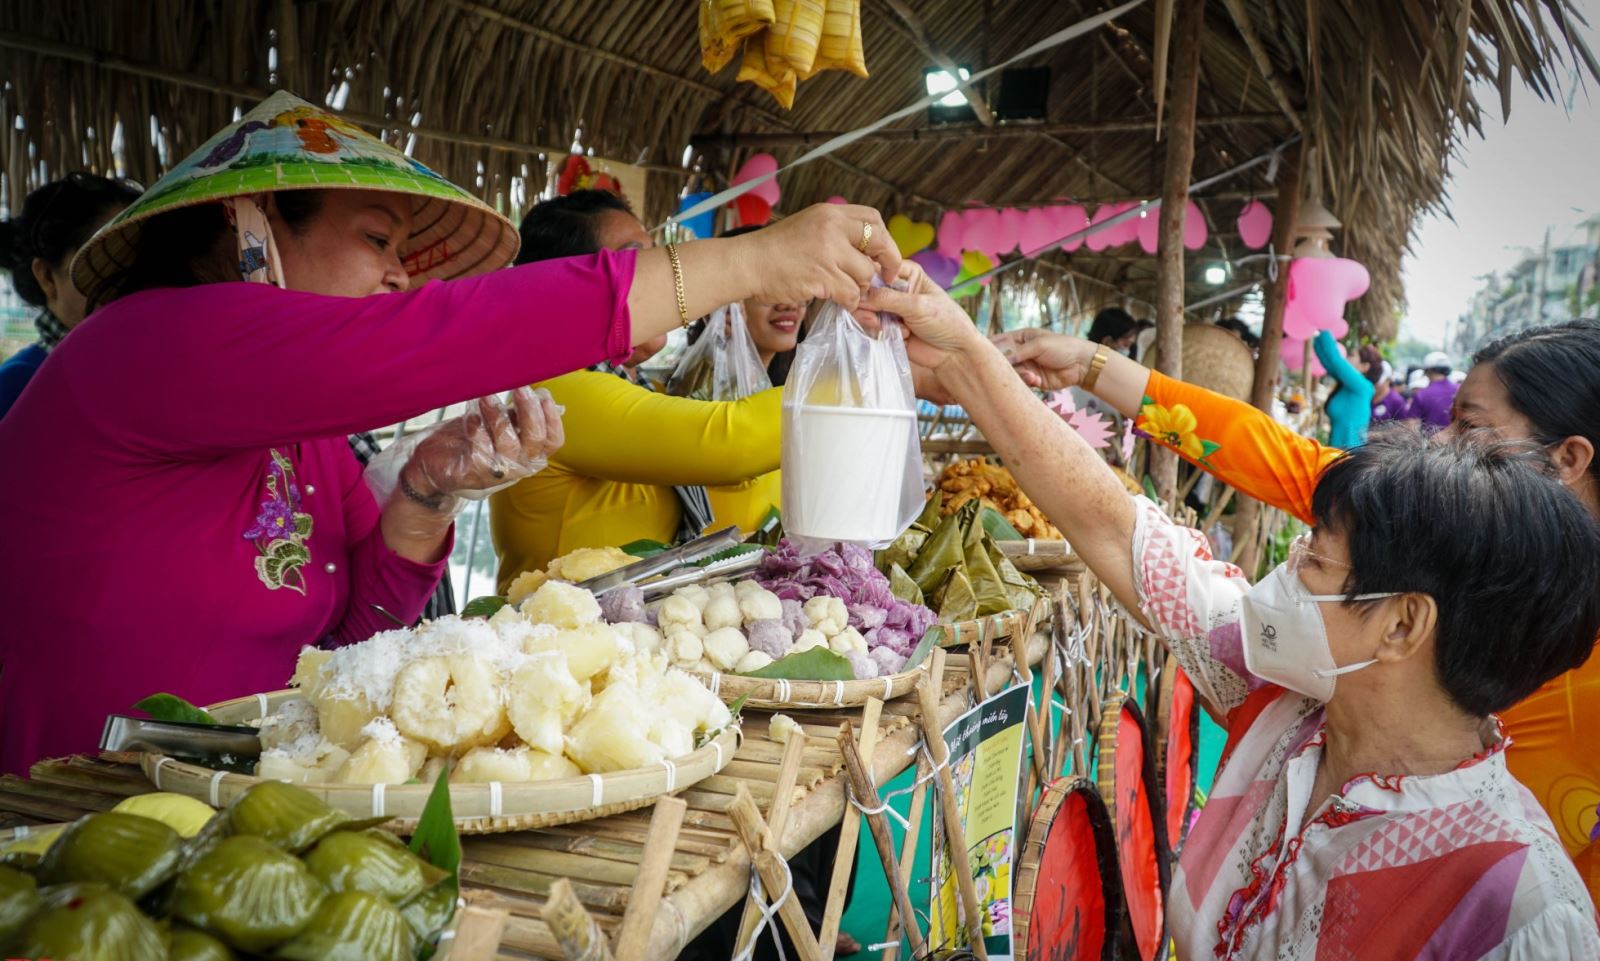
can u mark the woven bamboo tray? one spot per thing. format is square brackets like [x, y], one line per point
[479, 808]
[792, 695]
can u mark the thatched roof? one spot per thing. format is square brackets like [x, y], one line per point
[1384, 88]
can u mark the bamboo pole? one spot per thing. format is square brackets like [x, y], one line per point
[962, 132]
[849, 833]
[651, 879]
[758, 839]
[575, 930]
[1174, 202]
[861, 786]
[777, 821]
[955, 831]
[1247, 522]
[478, 933]
[908, 857]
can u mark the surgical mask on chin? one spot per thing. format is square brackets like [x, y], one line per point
[1285, 639]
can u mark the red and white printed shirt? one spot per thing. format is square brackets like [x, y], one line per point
[1460, 866]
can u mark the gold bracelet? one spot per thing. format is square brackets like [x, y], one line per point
[1095, 367]
[677, 283]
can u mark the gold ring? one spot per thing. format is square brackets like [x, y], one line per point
[866, 236]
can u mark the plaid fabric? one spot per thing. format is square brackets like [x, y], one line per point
[365, 446]
[50, 329]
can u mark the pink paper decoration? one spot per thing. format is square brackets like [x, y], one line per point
[1194, 226]
[1319, 287]
[952, 233]
[757, 166]
[1012, 220]
[1066, 221]
[1103, 237]
[1038, 230]
[1255, 225]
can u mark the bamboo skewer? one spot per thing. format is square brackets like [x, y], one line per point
[861, 787]
[849, 832]
[478, 934]
[576, 932]
[651, 879]
[966, 891]
[908, 856]
[757, 837]
[777, 821]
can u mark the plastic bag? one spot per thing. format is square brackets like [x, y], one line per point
[852, 462]
[382, 473]
[723, 363]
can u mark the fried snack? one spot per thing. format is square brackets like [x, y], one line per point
[993, 486]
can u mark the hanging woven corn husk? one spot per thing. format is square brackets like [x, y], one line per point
[840, 47]
[772, 74]
[795, 33]
[724, 23]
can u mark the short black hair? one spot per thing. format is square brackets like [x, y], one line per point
[1509, 554]
[1242, 329]
[56, 219]
[1552, 375]
[566, 226]
[1113, 322]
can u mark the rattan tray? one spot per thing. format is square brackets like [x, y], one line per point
[479, 808]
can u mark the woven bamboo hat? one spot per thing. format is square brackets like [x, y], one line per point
[285, 143]
[1216, 359]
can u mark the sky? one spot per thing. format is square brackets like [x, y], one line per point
[1535, 170]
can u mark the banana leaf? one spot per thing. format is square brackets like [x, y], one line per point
[929, 518]
[171, 707]
[998, 527]
[942, 552]
[988, 590]
[815, 664]
[955, 600]
[485, 606]
[902, 586]
[1021, 588]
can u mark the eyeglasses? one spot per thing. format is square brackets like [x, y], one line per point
[1300, 549]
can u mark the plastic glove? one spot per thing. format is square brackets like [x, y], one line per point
[487, 449]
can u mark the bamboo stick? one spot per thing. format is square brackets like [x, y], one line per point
[844, 859]
[777, 822]
[945, 133]
[861, 786]
[652, 878]
[966, 892]
[908, 845]
[758, 838]
[478, 934]
[579, 936]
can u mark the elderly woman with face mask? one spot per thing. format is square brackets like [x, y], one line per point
[1363, 807]
[181, 508]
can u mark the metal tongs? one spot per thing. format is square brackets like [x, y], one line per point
[681, 556]
[196, 742]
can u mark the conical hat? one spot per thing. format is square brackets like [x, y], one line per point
[288, 144]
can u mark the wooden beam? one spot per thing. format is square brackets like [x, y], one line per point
[1247, 30]
[1248, 518]
[1188, 34]
[925, 44]
[941, 134]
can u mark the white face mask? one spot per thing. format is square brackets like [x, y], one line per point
[1285, 640]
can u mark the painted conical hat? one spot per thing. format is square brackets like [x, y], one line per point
[285, 143]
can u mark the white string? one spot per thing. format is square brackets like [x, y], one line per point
[768, 911]
[216, 780]
[783, 689]
[156, 777]
[883, 800]
[716, 682]
[838, 692]
[672, 775]
[845, 139]
[595, 780]
[494, 799]
[717, 744]
[261, 699]
[377, 800]
[888, 686]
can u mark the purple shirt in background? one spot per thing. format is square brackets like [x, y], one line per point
[1392, 407]
[1432, 404]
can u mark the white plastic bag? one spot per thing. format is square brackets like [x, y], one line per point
[852, 462]
[723, 364]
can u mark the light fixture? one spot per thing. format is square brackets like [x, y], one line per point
[1313, 216]
[940, 81]
[1314, 244]
[1216, 274]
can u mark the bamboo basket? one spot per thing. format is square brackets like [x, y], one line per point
[479, 808]
[1057, 861]
[773, 694]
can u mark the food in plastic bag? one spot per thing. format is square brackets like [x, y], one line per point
[723, 364]
[724, 23]
[840, 45]
[852, 462]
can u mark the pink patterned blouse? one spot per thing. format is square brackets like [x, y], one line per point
[179, 507]
[1459, 866]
